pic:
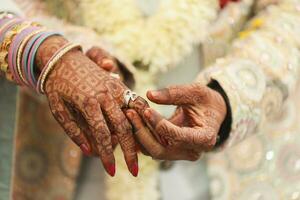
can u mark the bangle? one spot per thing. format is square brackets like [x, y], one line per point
[21, 51]
[3, 24]
[7, 24]
[5, 44]
[31, 57]
[14, 27]
[3, 63]
[25, 57]
[12, 53]
[8, 31]
[16, 35]
[51, 63]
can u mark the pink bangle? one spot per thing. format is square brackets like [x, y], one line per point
[13, 51]
[9, 25]
[21, 51]
[25, 56]
[31, 57]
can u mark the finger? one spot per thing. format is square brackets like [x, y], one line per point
[68, 123]
[103, 59]
[202, 138]
[114, 141]
[122, 128]
[139, 146]
[155, 149]
[139, 105]
[80, 120]
[110, 65]
[97, 125]
[178, 95]
[178, 118]
[152, 119]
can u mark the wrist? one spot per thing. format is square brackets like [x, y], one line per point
[225, 127]
[47, 50]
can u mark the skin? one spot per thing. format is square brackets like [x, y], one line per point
[85, 99]
[104, 60]
[166, 141]
[191, 130]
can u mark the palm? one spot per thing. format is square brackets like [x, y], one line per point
[186, 116]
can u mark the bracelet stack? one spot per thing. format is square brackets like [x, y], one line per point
[19, 43]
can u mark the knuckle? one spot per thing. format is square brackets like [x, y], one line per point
[130, 154]
[157, 153]
[72, 129]
[193, 158]
[162, 129]
[126, 141]
[58, 116]
[211, 139]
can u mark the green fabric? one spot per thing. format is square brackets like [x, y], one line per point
[8, 98]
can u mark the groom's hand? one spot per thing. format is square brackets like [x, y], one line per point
[194, 126]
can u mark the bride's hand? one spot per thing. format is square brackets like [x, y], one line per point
[84, 99]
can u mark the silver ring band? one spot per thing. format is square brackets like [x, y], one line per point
[129, 95]
[115, 75]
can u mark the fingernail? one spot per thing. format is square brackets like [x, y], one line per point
[134, 169]
[111, 170]
[153, 93]
[147, 113]
[107, 63]
[85, 149]
[129, 114]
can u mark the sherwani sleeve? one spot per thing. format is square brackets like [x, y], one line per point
[261, 69]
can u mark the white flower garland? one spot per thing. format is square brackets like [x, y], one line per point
[159, 41]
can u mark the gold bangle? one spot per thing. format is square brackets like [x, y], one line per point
[4, 48]
[20, 52]
[3, 60]
[9, 76]
[12, 33]
[51, 63]
[8, 24]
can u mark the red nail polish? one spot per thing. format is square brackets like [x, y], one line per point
[85, 149]
[135, 169]
[111, 170]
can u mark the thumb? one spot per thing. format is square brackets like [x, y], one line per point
[174, 95]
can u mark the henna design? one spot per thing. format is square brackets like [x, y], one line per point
[194, 125]
[78, 92]
[203, 111]
[139, 104]
[104, 60]
[47, 49]
[153, 147]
